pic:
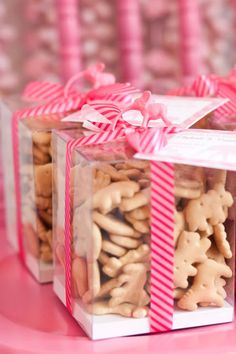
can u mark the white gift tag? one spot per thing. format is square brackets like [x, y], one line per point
[207, 148]
[87, 113]
[186, 111]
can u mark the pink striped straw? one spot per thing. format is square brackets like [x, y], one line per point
[130, 40]
[190, 47]
[233, 3]
[69, 37]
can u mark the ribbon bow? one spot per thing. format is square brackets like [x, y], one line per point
[205, 85]
[59, 100]
[103, 115]
[151, 141]
[214, 86]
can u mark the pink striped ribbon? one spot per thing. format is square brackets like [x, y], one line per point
[205, 85]
[162, 215]
[214, 86]
[58, 104]
[162, 246]
[150, 142]
[218, 87]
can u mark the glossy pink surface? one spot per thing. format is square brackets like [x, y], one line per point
[32, 320]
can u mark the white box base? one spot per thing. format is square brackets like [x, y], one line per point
[108, 326]
[42, 272]
[11, 237]
[204, 316]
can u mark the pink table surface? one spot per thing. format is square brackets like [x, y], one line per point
[33, 321]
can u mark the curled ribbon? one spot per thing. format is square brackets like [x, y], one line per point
[213, 86]
[108, 115]
[150, 141]
[59, 100]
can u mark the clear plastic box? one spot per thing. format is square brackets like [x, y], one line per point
[112, 269]
[35, 183]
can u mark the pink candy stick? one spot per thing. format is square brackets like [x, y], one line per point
[69, 31]
[190, 38]
[130, 39]
[234, 27]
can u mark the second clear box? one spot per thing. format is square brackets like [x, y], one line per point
[111, 259]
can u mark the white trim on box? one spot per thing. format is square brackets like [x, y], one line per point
[108, 326]
[42, 272]
[204, 316]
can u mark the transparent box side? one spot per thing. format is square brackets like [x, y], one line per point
[204, 241]
[110, 246]
[8, 173]
[35, 174]
[7, 108]
[59, 163]
[36, 183]
[81, 176]
[59, 142]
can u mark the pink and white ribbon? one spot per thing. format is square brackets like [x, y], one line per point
[141, 113]
[214, 86]
[59, 100]
[218, 87]
[150, 142]
[162, 246]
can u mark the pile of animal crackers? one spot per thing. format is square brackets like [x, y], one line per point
[111, 271]
[111, 231]
[36, 186]
[201, 245]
